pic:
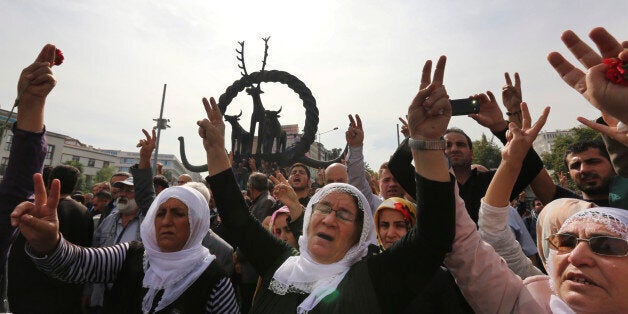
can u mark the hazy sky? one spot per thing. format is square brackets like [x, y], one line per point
[356, 56]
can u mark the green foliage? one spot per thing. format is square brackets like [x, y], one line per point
[486, 153]
[104, 174]
[554, 161]
[335, 153]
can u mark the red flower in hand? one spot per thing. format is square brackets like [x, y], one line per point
[58, 57]
[616, 71]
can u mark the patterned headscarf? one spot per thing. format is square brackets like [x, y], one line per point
[302, 274]
[403, 206]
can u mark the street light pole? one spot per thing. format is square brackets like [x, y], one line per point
[162, 124]
[319, 140]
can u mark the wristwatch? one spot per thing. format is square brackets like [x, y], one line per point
[427, 144]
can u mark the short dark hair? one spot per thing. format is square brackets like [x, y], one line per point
[68, 175]
[104, 195]
[298, 164]
[258, 181]
[383, 167]
[78, 197]
[459, 131]
[579, 147]
[161, 181]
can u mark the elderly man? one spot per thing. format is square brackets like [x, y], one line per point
[336, 172]
[183, 179]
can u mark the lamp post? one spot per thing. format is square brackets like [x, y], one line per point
[319, 140]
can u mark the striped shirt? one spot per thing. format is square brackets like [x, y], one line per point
[76, 264]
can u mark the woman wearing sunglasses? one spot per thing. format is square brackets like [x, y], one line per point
[587, 264]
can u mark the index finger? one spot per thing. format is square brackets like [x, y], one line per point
[508, 81]
[351, 121]
[146, 134]
[536, 128]
[580, 49]
[517, 81]
[525, 116]
[439, 72]
[359, 121]
[281, 177]
[426, 74]
[605, 42]
[53, 199]
[273, 179]
[215, 111]
[47, 54]
[40, 190]
[403, 121]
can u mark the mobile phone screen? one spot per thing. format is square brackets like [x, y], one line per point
[464, 106]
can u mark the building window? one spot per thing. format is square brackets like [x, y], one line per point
[8, 142]
[3, 165]
[91, 162]
[76, 158]
[105, 164]
[51, 152]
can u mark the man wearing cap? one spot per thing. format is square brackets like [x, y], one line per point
[122, 225]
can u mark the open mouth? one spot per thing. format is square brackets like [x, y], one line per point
[580, 279]
[324, 236]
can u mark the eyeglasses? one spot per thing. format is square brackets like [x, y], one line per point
[341, 214]
[601, 245]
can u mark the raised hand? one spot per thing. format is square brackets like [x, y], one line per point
[212, 131]
[252, 164]
[562, 179]
[520, 139]
[430, 110]
[609, 130]
[511, 94]
[355, 134]
[283, 191]
[320, 176]
[38, 221]
[37, 80]
[489, 116]
[147, 145]
[404, 127]
[608, 97]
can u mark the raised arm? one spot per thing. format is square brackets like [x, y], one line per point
[603, 94]
[493, 218]
[261, 247]
[143, 174]
[355, 161]
[28, 147]
[405, 269]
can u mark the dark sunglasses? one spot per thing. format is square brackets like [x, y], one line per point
[601, 245]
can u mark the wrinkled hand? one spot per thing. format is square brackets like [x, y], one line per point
[489, 116]
[593, 85]
[355, 134]
[609, 130]
[520, 139]
[36, 81]
[212, 129]
[147, 145]
[430, 110]
[511, 95]
[38, 221]
[404, 127]
[283, 191]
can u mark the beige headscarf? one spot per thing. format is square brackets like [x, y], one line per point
[551, 219]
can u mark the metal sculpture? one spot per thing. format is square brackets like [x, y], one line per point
[241, 140]
[262, 117]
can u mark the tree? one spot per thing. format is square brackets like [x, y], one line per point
[335, 153]
[554, 161]
[486, 153]
[105, 173]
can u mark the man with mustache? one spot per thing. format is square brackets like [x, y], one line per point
[122, 225]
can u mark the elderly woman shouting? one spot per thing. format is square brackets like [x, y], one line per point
[334, 273]
[169, 271]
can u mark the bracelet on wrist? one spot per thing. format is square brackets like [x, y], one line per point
[427, 144]
[513, 113]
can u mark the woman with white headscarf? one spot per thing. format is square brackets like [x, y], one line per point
[168, 271]
[334, 273]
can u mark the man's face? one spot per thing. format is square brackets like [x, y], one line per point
[183, 179]
[298, 179]
[100, 203]
[591, 172]
[458, 150]
[538, 206]
[336, 173]
[388, 185]
[114, 190]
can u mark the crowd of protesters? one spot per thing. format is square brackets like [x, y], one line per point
[428, 233]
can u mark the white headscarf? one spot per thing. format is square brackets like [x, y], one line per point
[176, 271]
[304, 275]
[615, 220]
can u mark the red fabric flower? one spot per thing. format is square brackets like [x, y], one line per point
[616, 71]
[403, 209]
[58, 57]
